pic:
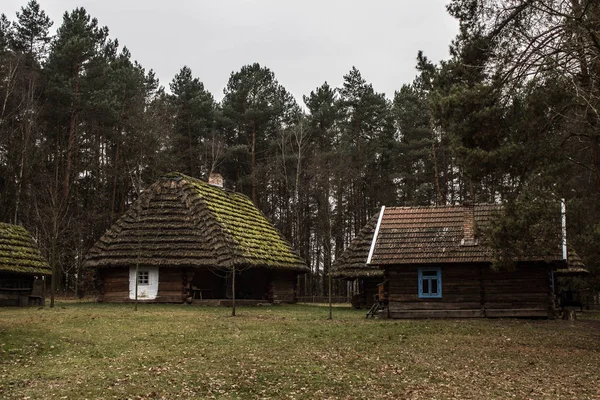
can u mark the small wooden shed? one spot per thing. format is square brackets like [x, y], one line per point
[352, 266]
[186, 237]
[23, 269]
[435, 264]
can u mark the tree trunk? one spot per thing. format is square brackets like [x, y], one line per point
[72, 138]
[253, 166]
[190, 149]
[233, 292]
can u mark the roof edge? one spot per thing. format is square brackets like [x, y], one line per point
[374, 241]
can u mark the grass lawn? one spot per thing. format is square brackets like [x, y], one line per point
[102, 351]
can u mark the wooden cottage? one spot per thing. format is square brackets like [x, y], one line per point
[22, 268]
[435, 265]
[186, 237]
[351, 266]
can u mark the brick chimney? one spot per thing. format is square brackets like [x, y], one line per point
[215, 180]
[468, 225]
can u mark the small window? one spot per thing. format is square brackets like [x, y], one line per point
[430, 282]
[143, 277]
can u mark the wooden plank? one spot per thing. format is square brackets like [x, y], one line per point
[395, 306]
[520, 313]
[517, 296]
[170, 285]
[476, 313]
[516, 305]
[453, 298]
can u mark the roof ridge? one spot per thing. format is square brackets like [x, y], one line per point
[442, 206]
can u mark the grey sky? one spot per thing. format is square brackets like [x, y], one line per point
[305, 43]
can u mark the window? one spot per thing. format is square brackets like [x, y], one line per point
[430, 282]
[143, 277]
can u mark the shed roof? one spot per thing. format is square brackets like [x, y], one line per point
[182, 221]
[19, 252]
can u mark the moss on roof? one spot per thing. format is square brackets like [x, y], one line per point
[181, 221]
[19, 253]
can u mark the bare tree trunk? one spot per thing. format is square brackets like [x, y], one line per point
[253, 166]
[233, 292]
[114, 190]
[53, 244]
[439, 199]
[10, 81]
[72, 138]
[330, 303]
[190, 149]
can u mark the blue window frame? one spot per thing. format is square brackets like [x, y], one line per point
[430, 282]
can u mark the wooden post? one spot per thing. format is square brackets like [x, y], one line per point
[482, 290]
[233, 292]
[330, 305]
[54, 274]
[137, 267]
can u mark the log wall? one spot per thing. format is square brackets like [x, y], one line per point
[176, 285]
[472, 290]
[21, 290]
[115, 286]
[283, 286]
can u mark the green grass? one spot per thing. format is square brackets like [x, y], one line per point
[101, 351]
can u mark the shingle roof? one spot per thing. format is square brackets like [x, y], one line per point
[424, 235]
[419, 235]
[19, 253]
[182, 221]
[352, 262]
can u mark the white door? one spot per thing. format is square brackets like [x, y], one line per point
[147, 283]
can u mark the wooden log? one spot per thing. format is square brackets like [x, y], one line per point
[475, 313]
[394, 306]
[517, 313]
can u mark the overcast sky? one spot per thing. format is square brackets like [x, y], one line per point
[305, 43]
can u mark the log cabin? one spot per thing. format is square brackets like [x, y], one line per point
[23, 269]
[187, 239]
[435, 264]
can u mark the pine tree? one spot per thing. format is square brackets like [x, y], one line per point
[255, 107]
[79, 43]
[31, 30]
[194, 123]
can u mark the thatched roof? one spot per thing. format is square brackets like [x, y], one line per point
[575, 266]
[19, 253]
[352, 263]
[182, 221]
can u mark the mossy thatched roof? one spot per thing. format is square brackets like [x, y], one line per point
[352, 263]
[19, 253]
[182, 221]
